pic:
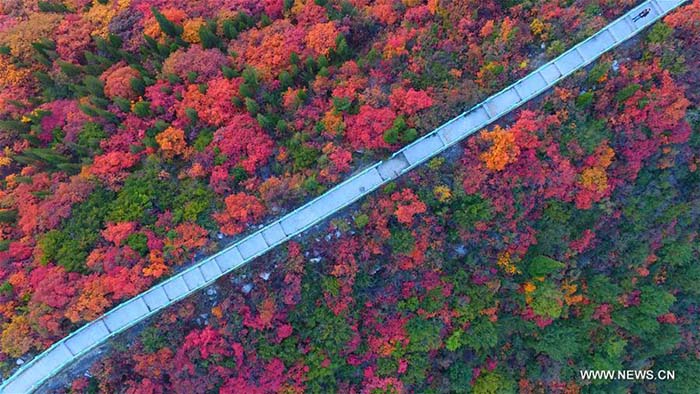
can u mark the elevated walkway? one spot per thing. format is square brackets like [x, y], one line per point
[47, 364]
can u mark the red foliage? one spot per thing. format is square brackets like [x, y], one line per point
[366, 129]
[204, 63]
[294, 270]
[73, 37]
[215, 106]
[345, 269]
[409, 101]
[53, 286]
[117, 232]
[200, 344]
[241, 210]
[243, 142]
[111, 167]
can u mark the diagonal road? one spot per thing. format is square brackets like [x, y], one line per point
[47, 364]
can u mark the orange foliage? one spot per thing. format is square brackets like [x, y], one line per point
[153, 364]
[595, 179]
[191, 30]
[151, 26]
[12, 75]
[20, 37]
[407, 206]
[101, 15]
[503, 150]
[190, 237]
[687, 19]
[15, 339]
[268, 49]
[384, 11]
[157, 267]
[504, 261]
[117, 81]
[267, 312]
[213, 107]
[172, 141]
[93, 301]
[321, 38]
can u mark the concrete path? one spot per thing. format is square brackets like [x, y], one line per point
[64, 352]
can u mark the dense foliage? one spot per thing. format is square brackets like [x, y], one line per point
[564, 239]
[134, 132]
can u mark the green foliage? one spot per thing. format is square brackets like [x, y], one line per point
[228, 72]
[460, 376]
[547, 300]
[659, 33]
[627, 92]
[90, 137]
[71, 70]
[192, 115]
[70, 245]
[251, 106]
[193, 202]
[602, 290]
[599, 70]
[543, 265]
[400, 132]
[153, 339]
[8, 215]
[471, 209]
[584, 100]
[361, 220]
[6, 288]
[142, 109]
[493, 383]
[229, 29]
[641, 320]
[304, 156]
[609, 354]
[590, 134]
[562, 340]
[424, 334]
[454, 341]
[203, 140]
[208, 37]
[481, 336]
[679, 253]
[138, 242]
[48, 159]
[401, 241]
[166, 26]
[559, 221]
[142, 192]
[341, 104]
[138, 86]
[687, 369]
[686, 278]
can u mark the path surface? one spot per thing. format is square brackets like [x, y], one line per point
[34, 373]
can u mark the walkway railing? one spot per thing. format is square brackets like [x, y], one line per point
[61, 354]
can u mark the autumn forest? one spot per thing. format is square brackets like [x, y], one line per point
[138, 136]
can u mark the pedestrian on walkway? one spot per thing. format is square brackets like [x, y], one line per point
[642, 14]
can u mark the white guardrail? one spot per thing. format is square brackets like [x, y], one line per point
[47, 364]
